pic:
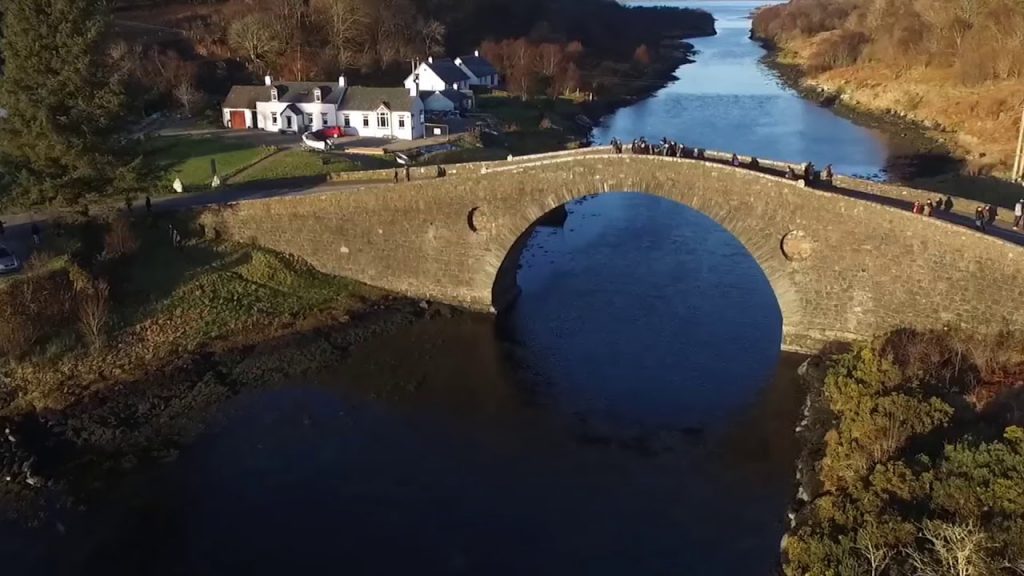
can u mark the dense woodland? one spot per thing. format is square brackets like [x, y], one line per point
[982, 40]
[916, 460]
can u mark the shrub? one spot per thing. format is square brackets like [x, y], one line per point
[120, 239]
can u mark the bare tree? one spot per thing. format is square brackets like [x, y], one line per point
[950, 550]
[255, 35]
[344, 23]
[433, 33]
[875, 552]
[187, 95]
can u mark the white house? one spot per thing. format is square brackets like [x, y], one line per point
[381, 112]
[437, 74]
[302, 106]
[480, 71]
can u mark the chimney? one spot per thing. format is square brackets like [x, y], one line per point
[476, 53]
[268, 80]
[430, 59]
[341, 81]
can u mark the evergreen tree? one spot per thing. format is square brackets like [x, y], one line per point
[63, 103]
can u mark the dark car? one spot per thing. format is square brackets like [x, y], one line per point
[8, 261]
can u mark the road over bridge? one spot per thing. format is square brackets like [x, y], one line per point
[842, 268]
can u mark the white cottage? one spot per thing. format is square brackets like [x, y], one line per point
[480, 71]
[437, 74]
[299, 107]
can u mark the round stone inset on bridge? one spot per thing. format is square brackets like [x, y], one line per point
[474, 219]
[796, 246]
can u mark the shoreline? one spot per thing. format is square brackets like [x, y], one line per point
[63, 458]
[597, 110]
[916, 150]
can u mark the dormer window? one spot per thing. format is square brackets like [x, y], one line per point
[273, 94]
[317, 96]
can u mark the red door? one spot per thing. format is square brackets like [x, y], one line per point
[238, 119]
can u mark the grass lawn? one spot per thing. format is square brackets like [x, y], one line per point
[188, 157]
[295, 163]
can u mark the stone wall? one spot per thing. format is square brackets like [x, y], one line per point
[842, 269]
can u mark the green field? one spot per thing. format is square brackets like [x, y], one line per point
[189, 157]
[295, 163]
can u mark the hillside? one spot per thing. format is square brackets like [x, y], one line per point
[955, 66]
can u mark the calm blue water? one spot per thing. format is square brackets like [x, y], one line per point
[728, 101]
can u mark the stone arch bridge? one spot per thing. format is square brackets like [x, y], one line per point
[841, 268]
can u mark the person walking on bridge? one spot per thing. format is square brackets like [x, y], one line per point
[1018, 214]
[3, 233]
[36, 233]
[408, 174]
[979, 218]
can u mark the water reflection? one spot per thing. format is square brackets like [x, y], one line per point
[728, 101]
[628, 420]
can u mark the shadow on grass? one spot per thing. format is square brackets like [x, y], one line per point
[150, 276]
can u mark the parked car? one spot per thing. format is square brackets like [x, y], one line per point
[332, 131]
[8, 261]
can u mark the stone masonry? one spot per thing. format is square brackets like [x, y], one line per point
[842, 269]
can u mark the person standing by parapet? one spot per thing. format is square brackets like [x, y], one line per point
[36, 233]
[408, 174]
[979, 218]
[1018, 213]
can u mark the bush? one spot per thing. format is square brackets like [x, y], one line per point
[120, 239]
[33, 307]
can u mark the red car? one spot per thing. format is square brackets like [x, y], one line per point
[332, 131]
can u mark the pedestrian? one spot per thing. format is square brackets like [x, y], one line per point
[396, 175]
[149, 204]
[439, 174]
[408, 174]
[918, 209]
[809, 173]
[128, 203]
[979, 218]
[827, 175]
[947, 206]
[3, 233]
[754, 164]
[36, 233]
[929, 207]
[1018, 213]
[991, 212]
[790, 173]
[735, 161]
[699, 153]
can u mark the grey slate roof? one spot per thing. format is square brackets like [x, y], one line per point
[480, 67]
[246, 97]
[454, 96]
[447, 70]
[368, 99]
[302, 92]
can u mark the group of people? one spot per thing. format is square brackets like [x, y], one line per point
[672, 148]
[664, 148]
[930, 207]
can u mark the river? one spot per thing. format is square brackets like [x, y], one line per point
[631, 415]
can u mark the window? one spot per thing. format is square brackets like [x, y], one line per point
[323, 118]
[366, 120]
[273, 94]
[309, 119]
[382, 119]
[346, 120]
[401, 120]
[316, 95]
[273, 118]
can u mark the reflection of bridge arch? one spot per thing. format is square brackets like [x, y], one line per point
[841, 268]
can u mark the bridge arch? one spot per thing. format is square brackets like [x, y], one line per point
[841, 268]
